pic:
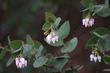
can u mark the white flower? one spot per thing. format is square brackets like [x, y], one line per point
[20, 62]
[95, 58]
[88, 22]
[52, 37]
[91, 57]
[99, 58]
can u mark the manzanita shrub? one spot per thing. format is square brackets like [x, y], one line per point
[24, 52]
[32, 51]
[99, 43]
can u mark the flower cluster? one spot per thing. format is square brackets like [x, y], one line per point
[88, 22]
[52, 37]
[21, 62]
[95, 57]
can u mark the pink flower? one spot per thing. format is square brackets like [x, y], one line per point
[52, 37]
[20, 62]
[88, 22]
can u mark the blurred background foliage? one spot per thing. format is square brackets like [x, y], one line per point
[20, 16]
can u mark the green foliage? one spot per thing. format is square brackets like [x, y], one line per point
[49, 20]
[107, 59]
[31, 47]
[70, 46]
[87, 3]
[60, 63]
[102, 10]
[97, 34]
[101, 30]
[39, 52]
[40, 61]
[64, 30]
[29, 40]
[104, 44]
[2, 54]
[57, 22]
[92, 42]
[15, 46]
[36, 53]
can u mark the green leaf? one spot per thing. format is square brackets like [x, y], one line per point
[40, 62]
[27, 49]
[60, 63]
[2, 54]
[49, 17]
[46, 26]
[102, 10]
[101, 45]
[64, 30]
[106, 59]
[37, 44]
[49, 20]
[92, 42]
[86, 3]
[107, 43]
[57, 22]
[29, 40]
[10, 61]
[15, 45]
[101, 30]
[39, 52]
[104, 44]
[70, 46]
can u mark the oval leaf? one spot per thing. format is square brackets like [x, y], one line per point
[70, 46]
[40, 62]
[64, 30]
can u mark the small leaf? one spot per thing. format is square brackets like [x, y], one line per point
[92, 42]
[102, 10]
[15, 45]
[49, 20]
[70, 46]
[2, 54]
[40, 62]
[46, 26]
[106, 59]
[27, 49]
[39, 52]
[10, 61]
[64, 30]
[60, 63]
[57, 22]
[29, 40]
[101, 30]
[37, 44]
[104, 44]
